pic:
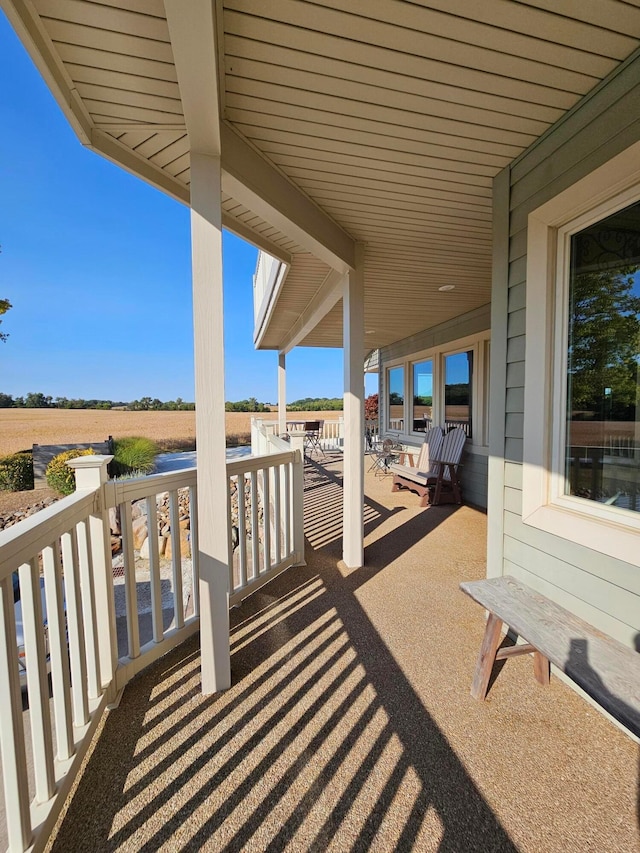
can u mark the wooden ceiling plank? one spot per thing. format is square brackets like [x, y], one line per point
[322, 163]
[155, 8]
[168, 106]
[168, 154]
[121, 80]
[490, 57]
[360, 148]
[101, 17]
[531, 32]
[395, 116]
[124, 112]
[324, 125]
[424, 204]
[151, 69]
[359, 82]
[366, 183]
[119, 43]
[263, 40]
[409, 99]
[607, 14]
[473, 220]
[150, 145]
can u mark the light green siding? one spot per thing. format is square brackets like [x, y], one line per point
[603, 590]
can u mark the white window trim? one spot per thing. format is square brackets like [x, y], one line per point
[392, 366]
[478, 344]
[608, 530]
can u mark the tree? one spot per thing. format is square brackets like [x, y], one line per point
[604, 343]
[37, 400]
[4, 307]
[371, 407]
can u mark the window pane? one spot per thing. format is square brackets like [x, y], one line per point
[602, 453]
[458, 370]
[422, 395]
[396, 398]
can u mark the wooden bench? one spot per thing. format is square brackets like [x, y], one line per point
[605, 669]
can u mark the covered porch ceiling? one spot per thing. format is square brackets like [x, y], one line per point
[389, 119]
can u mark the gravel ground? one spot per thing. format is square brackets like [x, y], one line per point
[20, 501]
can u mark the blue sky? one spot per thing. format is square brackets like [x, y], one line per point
[97, 266]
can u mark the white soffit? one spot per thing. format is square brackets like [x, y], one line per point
[392, 118]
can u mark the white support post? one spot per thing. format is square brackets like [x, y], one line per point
[282, 393]
[91, 474]
[353, 482]
[297, 445]
[213, 488]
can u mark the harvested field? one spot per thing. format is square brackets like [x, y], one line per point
[20, 428]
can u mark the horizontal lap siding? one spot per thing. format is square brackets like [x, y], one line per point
[460, 327]
[473, 474]
[600, 589]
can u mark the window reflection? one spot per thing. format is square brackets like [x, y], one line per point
[603, 424]
[458, 371]
[395, 414]
[422, 395]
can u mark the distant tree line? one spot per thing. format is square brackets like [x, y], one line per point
[250, 405]
[37, 400]
[317, 404]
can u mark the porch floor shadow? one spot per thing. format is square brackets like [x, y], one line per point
[349, 725]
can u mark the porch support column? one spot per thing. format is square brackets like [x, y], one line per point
[213, 488]
[282, 393]
[353, 481]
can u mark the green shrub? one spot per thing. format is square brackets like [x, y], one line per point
[59, 476]
[16, 472]
[133, 453]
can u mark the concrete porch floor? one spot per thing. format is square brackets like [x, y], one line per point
[349, 725]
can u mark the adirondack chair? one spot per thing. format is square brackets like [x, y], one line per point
[439, 483]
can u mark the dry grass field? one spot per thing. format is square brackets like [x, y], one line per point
[20, 428]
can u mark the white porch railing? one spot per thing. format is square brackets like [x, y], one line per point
[63, 559]
[331, 432]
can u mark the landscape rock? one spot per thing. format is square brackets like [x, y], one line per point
[140, 526]
[11, 518]
[140, 532]
[114, 520]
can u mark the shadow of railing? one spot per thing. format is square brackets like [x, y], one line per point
[321, 742]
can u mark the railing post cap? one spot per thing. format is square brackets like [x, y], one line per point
[90, 461]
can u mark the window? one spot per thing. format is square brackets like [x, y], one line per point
[422, 395]
[445, 386]
[602, 459]
[581, 456]
[458, 372]
[395, 413]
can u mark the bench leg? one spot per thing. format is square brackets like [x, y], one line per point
[490, 642]
[541, 669]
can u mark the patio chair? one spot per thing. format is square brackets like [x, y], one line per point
[440, 482]
[430, 449]
[384, 454]
[312, 431]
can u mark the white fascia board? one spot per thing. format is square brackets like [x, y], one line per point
[139, 166]
[254, 182]
[264, 318]
[193, 41]
[31, 33]
[327, 295]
